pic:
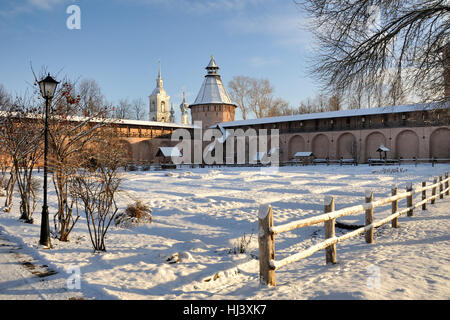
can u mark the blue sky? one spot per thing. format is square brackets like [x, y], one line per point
[121, 41]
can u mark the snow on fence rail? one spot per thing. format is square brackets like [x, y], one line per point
[267, 231]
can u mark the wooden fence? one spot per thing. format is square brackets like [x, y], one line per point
[267, 231]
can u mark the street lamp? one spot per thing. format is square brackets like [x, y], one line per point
[48, 88]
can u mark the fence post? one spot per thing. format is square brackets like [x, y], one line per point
[266, 245]
[433, 191]
[330, 251]
[395, 207]
[446, 185]
[441, 188]
[424, 195]
[369, 217]
[409, 200]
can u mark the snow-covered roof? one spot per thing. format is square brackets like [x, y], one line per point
[383, 149]
[109, 120]
[212, 90]
[339, 114]
[154, 123]
[169, 152]
[303, 154]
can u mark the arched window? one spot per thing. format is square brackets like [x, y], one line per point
[163, 106]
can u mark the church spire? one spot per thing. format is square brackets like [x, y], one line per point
[159, 81]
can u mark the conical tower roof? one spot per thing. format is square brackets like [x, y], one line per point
[212, 90]
[212, 66]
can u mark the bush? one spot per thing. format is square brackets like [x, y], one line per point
[241, 244]
[134, 214]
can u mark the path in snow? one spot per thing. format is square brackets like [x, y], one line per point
[23, 278]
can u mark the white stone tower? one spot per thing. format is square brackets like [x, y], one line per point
[159, 102]
[172, 114]
[184, 110]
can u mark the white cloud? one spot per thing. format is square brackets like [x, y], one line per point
[287, 29]
[28, 6]
[258, 62]
[203, 6]
[45, 4]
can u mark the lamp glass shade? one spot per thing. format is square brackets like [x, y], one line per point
[48, 87]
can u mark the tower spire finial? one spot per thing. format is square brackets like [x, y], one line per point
[159, 81]
[212, 66]
[159, 68]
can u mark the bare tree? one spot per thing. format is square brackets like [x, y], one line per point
[280, 107]
[138, 109]
[94, 188]
[361, 41]
[5, 161]
[396, 93]
[256, 96]
[20, 135]
[91, 97]
[355, 100]
[123, 109]
[239, 89]
[4, 98]
[320, 103]
[335, 102]
[69, 136]
[261, 97]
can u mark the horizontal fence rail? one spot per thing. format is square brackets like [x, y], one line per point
[267, 231]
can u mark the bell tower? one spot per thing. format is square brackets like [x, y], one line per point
[159, 102]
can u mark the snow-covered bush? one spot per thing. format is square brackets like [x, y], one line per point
[134, 214]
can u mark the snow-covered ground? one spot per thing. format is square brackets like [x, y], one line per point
[202, 213]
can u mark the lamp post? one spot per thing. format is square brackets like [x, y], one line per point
[48, 88]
